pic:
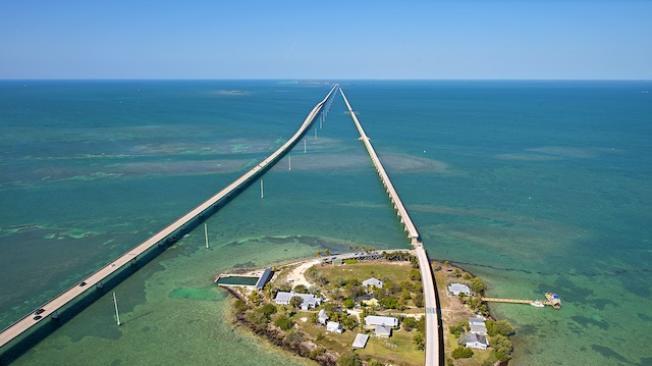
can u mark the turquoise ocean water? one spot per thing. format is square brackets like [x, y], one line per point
[535, 186]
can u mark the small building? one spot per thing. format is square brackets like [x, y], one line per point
[383, 331]
[459, 288]
[334, 327]
[477, 341]
[322, 317]
[309, 301]
[264, 278]
[360, 341]
[372, 282]
[477, 325]
[371, 321]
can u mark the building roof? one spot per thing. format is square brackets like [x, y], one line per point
[387, 321]
[322, 314]
[267, 274]
[457, 288]
[360, 340]
[308, 299]
[372, 282]
[477, 319]
[478, 328]
[333, 326]
[382, 330]
[472, 338]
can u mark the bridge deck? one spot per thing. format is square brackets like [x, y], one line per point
[433, 325]
[28, 321]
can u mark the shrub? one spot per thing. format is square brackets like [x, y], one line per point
[415, 275]
[501, 327]
[477, 285]
[418, 299]
[296, 301]
[267, 309]
[349, 322]
[409, 324]
[389, 302]
[257, 319]
[421, 324]
[502, 347]
[301, 289]
[462, 352]
[349, 359]
[254, 297]
[419, 341]
[457, 329]
[348, 303]
[284, 322]
[240, 306]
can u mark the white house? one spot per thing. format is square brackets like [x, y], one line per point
[334, 327]
[477, 341]
[459, 288]
[309, 301]
[372, 282]
[360, 341]
[383, 331]
[372, 321]
[322, 317]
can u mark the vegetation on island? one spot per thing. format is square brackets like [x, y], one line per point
[348, 302]
[456, 320]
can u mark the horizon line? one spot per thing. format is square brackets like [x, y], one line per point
[321, 79]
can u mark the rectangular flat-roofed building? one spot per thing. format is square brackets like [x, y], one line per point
[371, 321]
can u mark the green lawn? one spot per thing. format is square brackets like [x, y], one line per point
[399, 349]
[395, 272]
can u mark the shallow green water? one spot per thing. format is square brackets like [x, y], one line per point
[534, 186]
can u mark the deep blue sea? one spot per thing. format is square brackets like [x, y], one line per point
[534, 185]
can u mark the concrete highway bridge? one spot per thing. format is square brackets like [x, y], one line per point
[434, 331]
[34, 326]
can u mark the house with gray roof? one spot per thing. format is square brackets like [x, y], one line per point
[383, 331]
[459, 288]
[477, 341]
[371, 321]
[477, 325]
[372, 282]
[309, 301]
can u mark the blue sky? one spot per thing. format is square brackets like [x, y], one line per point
[329, 39]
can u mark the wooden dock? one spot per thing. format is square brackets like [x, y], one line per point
[508, 301]
[550, 300]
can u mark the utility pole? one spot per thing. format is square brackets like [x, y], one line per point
[115, 304]
[206, 234]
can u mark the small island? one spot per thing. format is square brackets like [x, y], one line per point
[366, 308]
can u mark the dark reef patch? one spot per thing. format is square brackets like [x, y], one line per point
[609, 353]
[585, 322]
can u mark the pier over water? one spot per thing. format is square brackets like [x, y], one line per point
[52, 313]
